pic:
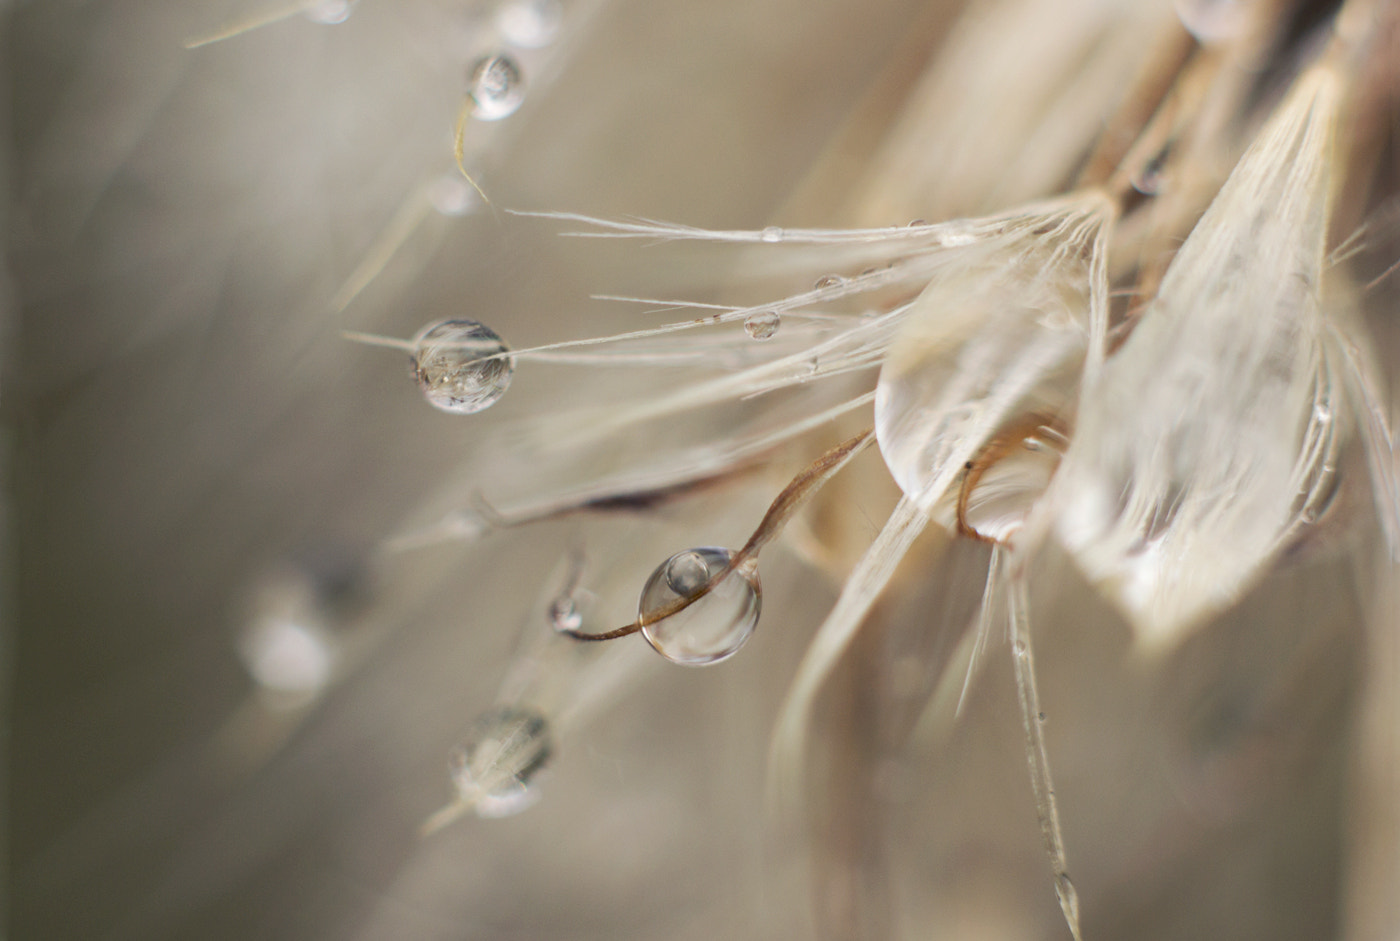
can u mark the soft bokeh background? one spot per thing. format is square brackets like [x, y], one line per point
[188, 425]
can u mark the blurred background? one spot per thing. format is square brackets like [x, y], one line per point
[194, 452]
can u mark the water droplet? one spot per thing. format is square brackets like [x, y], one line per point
[287, 656]
[868, 272]
[1040, 716]
[530, 24]
[328, 12]
[451, 195]
[564, 614]
[286, 643]
[494, 766]
[1019, 648]
[1322, 413]
[917, 223]
[829, 281]
[771, 234]
[1000, 497]
[715, 626]
[455, 369]
[497, 88]
[762, 325]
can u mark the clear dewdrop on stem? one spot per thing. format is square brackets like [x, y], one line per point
[459, 366]
[496, 87]
[763, 325]
[564, 614]
[494, 767]
[715, 626]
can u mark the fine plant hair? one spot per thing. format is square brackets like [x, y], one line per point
[996, 398]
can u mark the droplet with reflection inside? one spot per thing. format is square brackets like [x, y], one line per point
[459, 366]
[495, 765]
[497, 88]
[564, 614]
[713, 627]
[763, 324]
[1004, 484]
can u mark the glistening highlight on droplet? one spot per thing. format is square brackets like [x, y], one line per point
[496, 87]
[714, 626]
[459, 366]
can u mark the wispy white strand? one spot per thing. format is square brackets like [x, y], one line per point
[859, 593]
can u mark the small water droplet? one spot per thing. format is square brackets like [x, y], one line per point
[495, 764]
[762, 325]
[1019, 648]
[529, 24]
[451, 195]
[917, 223]
[564, 614]
[1322, 413]
[287, 656]
[829, 281]
[455, 368]
[714, 627]
[771, 234]
[868, 272]
[496, 87]
[328, 12]
[1040, 716]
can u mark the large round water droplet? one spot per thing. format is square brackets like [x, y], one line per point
[459, 367]
[494, 766]
[496, 87]
[529, 24]
[715, 626]
[763, 324]
[975, 352]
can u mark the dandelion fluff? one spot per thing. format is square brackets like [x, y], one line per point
[1194, 452]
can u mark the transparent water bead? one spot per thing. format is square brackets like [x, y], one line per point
[496, 87]
[451, 195]
[564, 614]
[455, 367]
[762, 325]
[530, 24]
[771, 234]
[977, 351]
[495, 765]
[286, 655]
[1006, 481]
[328, 12]
[714, 627]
